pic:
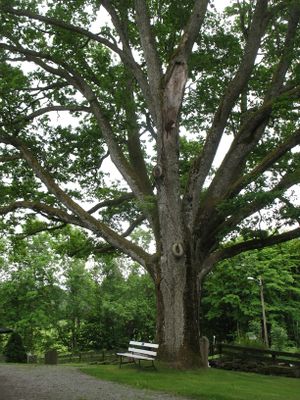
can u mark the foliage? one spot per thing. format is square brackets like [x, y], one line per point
[75, 152]
[232, 302]
[124, 309]
[279, 337]
[14, 350]
[57, 302]
[143, 103]
[30, 294]
[54, 300]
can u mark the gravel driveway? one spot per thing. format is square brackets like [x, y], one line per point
[51, 382]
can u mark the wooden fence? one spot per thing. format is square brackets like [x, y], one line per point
[256, 360]
[103, 356]
[271, 356]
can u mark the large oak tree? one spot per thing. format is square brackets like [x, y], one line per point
[155, 90]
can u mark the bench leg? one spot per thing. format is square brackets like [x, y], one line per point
[121, 359]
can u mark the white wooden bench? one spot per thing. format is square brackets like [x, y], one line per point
[138, 351]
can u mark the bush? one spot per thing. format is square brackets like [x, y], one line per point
[279, 338]
[246, 342]
[252, 338]
[14, 350]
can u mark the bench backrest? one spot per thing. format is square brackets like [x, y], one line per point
[148, 349]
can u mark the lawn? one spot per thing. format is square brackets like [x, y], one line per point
[210, 384]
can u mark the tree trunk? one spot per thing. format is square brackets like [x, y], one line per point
[177, 294]
[177, 315]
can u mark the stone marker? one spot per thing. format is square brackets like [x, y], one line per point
[204, 350]
[51, 357]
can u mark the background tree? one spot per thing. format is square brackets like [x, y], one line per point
[127, 307]
[231, 303]
[54, 300]
[30, 295]
[79, 301]
[155, 90]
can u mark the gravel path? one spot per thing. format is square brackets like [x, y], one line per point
[49, 382]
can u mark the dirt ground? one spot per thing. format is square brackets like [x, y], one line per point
[54, 382]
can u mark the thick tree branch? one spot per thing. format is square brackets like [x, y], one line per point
[117, 156]
[154, 68]
[287, 53]
[12, 157]
[56, 85]
[291, 206]
[128, 58]
[105, 248]
[264, 165]
[44, 209]
[36, 231]
[125, 54]
[120, 25]
[203, 163]
[45, 110]
[136, 157]
[64, 25]
[254, 125]
[169, 201]
[193, 27]
[111, 203]
[137, 222]
[37, 58]
[288, 180]
[84, 217]
[250, 132]
[190, 34]
[175, 80]
[231, 251]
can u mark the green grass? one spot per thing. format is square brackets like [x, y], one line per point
[210, 384]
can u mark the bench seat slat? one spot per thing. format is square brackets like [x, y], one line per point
[143, 344]
[138, 356]
[142, 351]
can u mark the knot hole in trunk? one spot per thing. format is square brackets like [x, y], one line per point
[177, 249]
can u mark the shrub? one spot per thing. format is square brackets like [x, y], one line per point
[14, 350]
[279, 337]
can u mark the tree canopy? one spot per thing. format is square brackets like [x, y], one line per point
[154, 90]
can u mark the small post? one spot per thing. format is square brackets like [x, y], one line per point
[263, 309]
[51, 357]
[204, 350]
[259, 280]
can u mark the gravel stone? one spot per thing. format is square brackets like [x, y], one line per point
[54, 382]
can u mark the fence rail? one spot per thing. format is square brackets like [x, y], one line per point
[272, 356]
[89, 356]
[251, 359]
